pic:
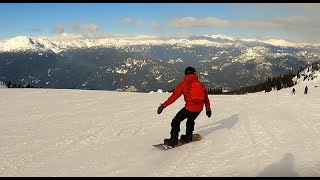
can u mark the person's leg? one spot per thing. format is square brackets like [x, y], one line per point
[175, 127]
[190, 126]
[191, 122]
[175, 124]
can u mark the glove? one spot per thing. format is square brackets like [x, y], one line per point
[160, 108]
[208, 112]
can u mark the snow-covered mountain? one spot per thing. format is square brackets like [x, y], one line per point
[22, 43]
[309, 74]
[148, 65]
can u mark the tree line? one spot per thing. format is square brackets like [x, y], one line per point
[273, 82]
[11, 84]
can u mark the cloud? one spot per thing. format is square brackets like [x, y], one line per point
[296, 20]
[305, 26]
[194, 22]
[255, 24]
[88, 30]
[129, 20]
[76, 36]
[139, 22]
[62, 37]
[58, 29]
[155, 26]
[134, 37]
[35, 30]
[304, 5]
[84, 27]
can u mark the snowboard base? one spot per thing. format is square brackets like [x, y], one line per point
[162, 146]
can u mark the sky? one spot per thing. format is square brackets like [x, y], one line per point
[69, 21]
[61, 132]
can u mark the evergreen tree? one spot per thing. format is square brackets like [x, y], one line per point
[9, 84]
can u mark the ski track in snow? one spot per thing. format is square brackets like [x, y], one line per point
[101, 133]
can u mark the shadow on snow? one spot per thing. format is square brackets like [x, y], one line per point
[227, 123]
[283, 168]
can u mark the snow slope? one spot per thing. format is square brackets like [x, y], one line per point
[47, 132]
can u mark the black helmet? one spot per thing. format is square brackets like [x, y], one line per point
[189, 70]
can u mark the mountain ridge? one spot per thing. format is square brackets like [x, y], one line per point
[27, 43]
[148, 65]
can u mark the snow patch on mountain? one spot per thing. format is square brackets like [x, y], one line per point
[205, 73]
[308, 74]
[20, 43]
[172, 61]
[279, 42]
[257, 53]
[40, 45]
[121, 71]
[171, 80]
[157, 78]
[221, 37]
[49, 45]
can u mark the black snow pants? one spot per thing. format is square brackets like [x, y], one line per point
[180, 116]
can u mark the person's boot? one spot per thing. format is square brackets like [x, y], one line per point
[186, 138]
[172, 141]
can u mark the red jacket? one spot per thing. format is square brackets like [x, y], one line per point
[182, 89]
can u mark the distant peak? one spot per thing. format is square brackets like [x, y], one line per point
[21, 38]
[279, 42]
[19, 43]
[220, 36]
[43, 38]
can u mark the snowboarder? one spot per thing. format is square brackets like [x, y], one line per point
[306, 90]
[293, 91]
[192, 107]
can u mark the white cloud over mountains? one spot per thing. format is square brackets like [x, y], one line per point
[193, 22]
[304, 5]
[129, 20]
[305, 26]
[292, 21]
[64, 36]
[301, 22]
[58, 29]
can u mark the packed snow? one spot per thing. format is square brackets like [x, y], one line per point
[60, 132]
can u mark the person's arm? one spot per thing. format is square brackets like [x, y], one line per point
[206, 99]
[174, 96]
[207, 103]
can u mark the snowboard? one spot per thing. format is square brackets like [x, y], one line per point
[161, 146]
